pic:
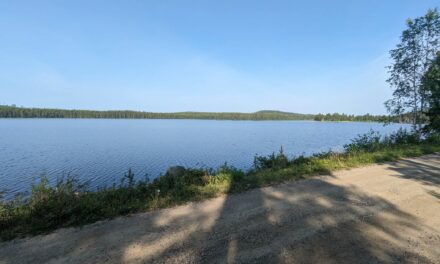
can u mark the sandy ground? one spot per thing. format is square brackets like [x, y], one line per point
[383, 213]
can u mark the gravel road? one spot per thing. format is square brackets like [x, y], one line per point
[388, 213]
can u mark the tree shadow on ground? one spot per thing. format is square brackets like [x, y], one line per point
[425, 169]
[310, 221]
[435, 194]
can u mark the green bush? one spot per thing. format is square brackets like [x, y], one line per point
[402, 137]
[273, 161]
[370, 141]
[373, 141]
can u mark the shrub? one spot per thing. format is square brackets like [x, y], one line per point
[373, 141]
[273, 161]
[169, 183]
[365, 142]
[301, 160]
[402, 137]
[129, 178]
[433, 138]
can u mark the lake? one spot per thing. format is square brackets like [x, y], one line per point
[102, 150]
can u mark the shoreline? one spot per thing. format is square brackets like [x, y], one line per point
[291, 217]
[68, 203]
[199, 119]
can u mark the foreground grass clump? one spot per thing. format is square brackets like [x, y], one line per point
[69, 203]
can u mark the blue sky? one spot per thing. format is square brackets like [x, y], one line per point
[163, 56]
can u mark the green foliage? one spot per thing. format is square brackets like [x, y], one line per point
[401, 137]
[129, 178]
[366, 142]
[359, 118]
[70, 203]
[433, 139]
[431, 87]
[373, 141]
[273, 161]
[412, 57]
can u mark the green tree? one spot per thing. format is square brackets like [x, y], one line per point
[411, 59]
[431, 87]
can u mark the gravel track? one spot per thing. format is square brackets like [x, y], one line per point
[388, 213]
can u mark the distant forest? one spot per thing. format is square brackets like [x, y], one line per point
[404, 118]
[12, 111]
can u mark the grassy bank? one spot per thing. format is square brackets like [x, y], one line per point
[69, 203]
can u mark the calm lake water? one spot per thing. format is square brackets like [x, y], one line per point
[101, 151]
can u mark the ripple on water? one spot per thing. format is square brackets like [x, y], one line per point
[101, 151]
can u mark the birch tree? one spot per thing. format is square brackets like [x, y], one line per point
[411, 58]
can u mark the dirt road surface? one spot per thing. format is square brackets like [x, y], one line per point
[387, 213]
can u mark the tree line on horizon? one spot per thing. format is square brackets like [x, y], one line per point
[12, 111]
[402, 118]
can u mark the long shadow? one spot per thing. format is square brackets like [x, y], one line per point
[310, 221]
[435, 194]
[425, 169]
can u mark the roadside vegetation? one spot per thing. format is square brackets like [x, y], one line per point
[70, 203]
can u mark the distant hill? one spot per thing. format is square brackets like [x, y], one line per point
[7, 111]
[22, 112]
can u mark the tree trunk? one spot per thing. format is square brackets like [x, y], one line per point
[415, 104]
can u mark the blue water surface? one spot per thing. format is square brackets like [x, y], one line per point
[102, 150]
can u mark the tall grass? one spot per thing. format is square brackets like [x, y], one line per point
[71, 203]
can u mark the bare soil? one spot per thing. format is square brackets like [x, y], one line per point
[388, 213]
